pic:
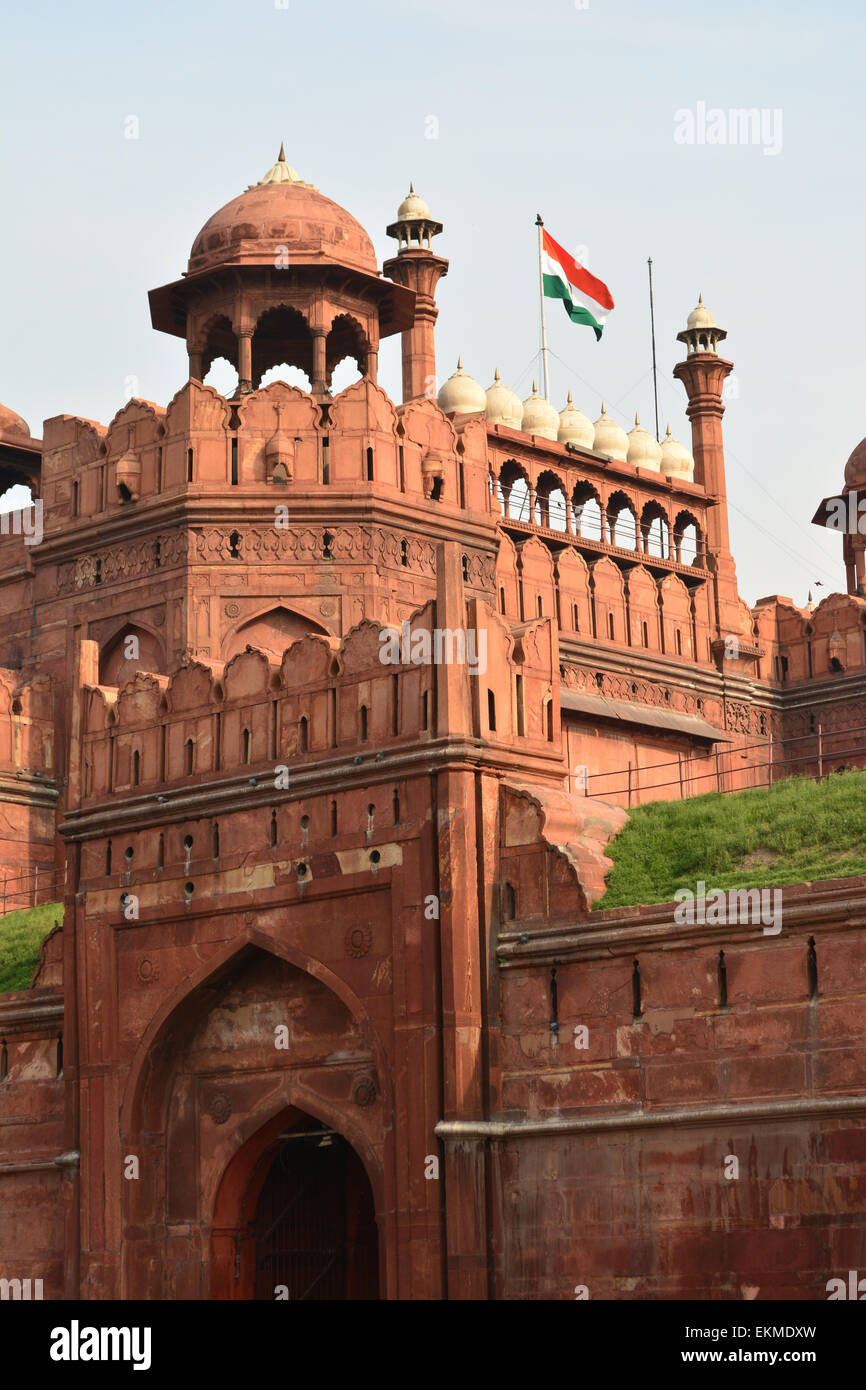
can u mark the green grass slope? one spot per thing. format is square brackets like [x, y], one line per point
[797, 830]
[21, 936]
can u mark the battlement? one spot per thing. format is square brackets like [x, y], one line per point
[380, 687]
[268, 438]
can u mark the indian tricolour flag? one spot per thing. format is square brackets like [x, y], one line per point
[586, 299]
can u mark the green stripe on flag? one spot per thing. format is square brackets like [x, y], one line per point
[555, 288]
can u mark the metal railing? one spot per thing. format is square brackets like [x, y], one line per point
[36, 885]
[637, 780]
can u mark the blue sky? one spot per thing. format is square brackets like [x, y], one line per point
[550, 107]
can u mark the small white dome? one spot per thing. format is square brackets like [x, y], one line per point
[412, 207]
[609, 437]
[539, 416]
[700, 317]
[644, 451]
[574, 427]
[461, 394]
[676, 459]
[504, 407]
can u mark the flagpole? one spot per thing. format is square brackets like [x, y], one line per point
[653, 331]
[539, 224]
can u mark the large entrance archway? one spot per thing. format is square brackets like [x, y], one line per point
[295, 1217]
[315, 1226]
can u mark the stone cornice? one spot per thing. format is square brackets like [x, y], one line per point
[819, 907]
[218, 796]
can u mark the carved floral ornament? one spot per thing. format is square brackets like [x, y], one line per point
[220, 544]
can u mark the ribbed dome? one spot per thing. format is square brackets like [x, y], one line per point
[282, 212]
[700, 317]
[644, 451]
[412, 207]
[676, 459]
[609, 437]
[539, 416]
[504, 406]
[12, 425]
[855, 468]
[574, 427]
[462, 394]
[281, 172]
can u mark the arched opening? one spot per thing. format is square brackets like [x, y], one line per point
[315, 1224]
[251, 1107]
[688, 540]
[345, 353]
[513, 491]
[130, 650]
[223, 377]
[587, 512]
[297, 1205]
[345, 374]
[219, 358]
[292, 376]
[655, 531]
[271, 632]
[551, 509]
[282, 338]
[621, 522]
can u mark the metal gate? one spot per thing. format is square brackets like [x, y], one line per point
[315, 1224]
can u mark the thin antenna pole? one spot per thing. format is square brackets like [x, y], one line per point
[539, 224]
[653, 331]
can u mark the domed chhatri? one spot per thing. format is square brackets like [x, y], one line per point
[504, 406]
[701, 333]
[539, 416]
[609, 437]
[461, 394]
[282, 274]
[415, 225]
[644, 451]
[575, 427]
[282, 211]
[677, 462]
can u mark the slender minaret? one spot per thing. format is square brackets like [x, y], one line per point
[416, 267]
[703, 374]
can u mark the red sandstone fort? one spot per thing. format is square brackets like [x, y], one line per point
[309, 1022]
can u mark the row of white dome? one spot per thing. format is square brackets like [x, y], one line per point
[463, 395]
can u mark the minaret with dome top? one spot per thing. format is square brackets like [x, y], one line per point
[418, 269]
